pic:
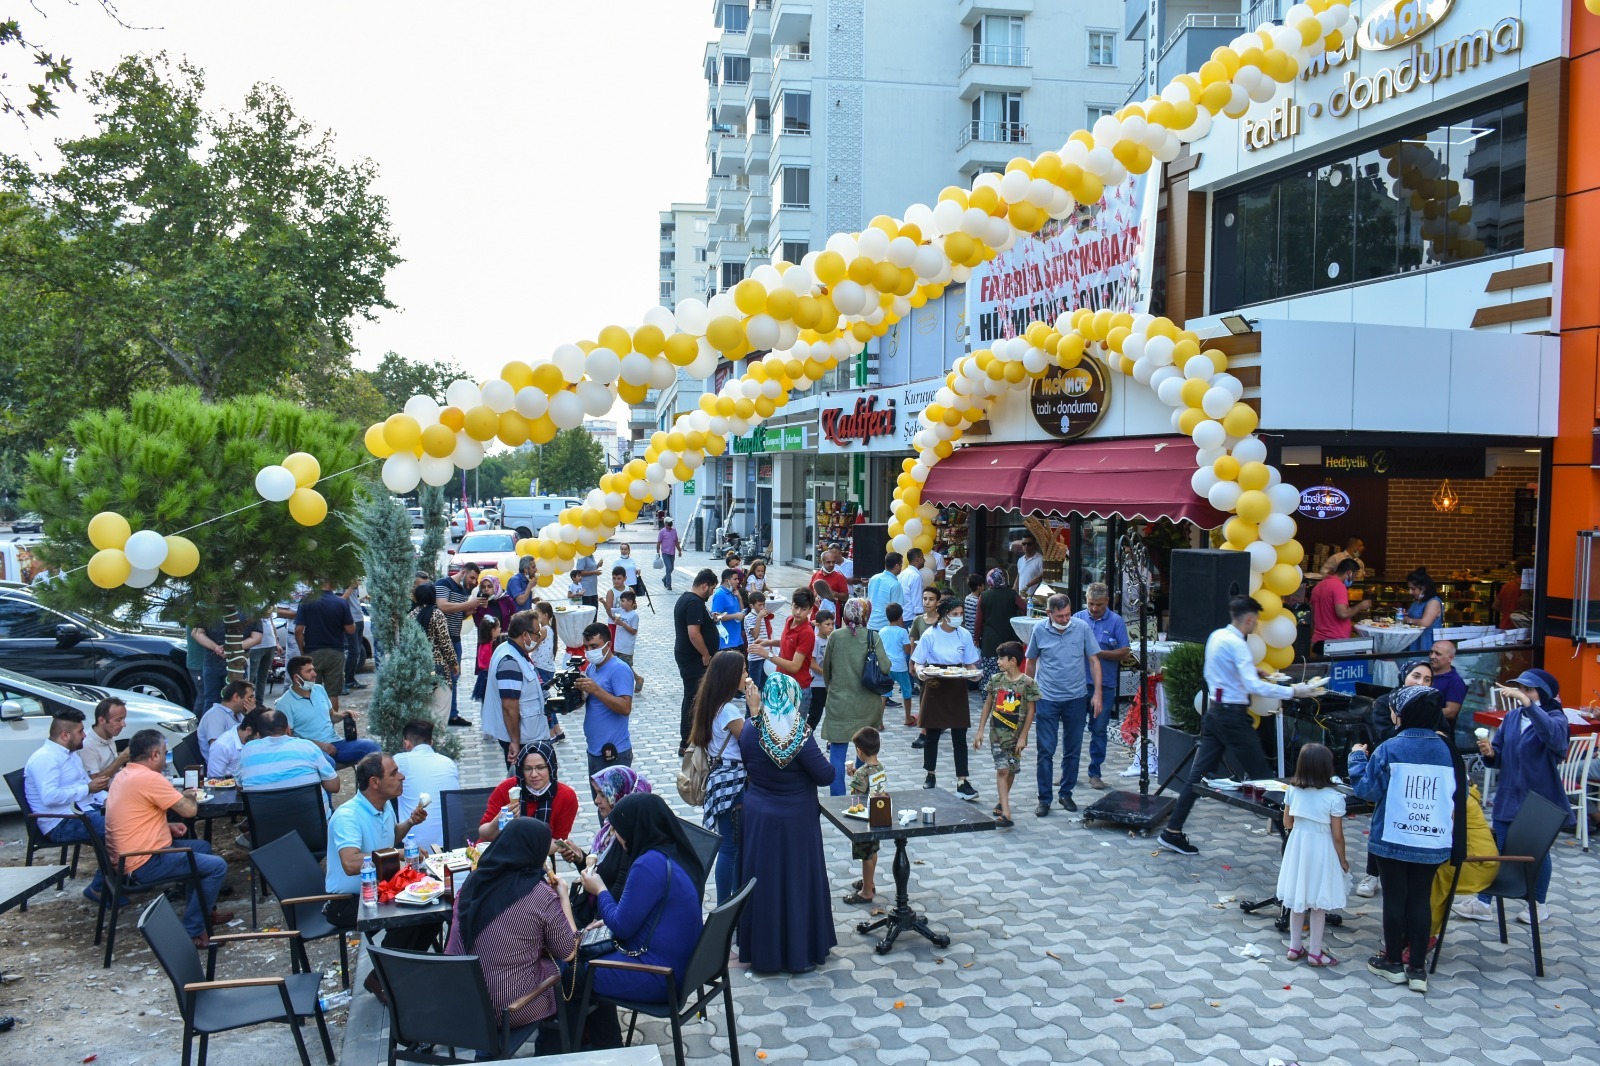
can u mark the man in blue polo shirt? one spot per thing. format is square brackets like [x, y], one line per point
[1111, 635]
[608, 682]
[726, 612]
[1451, 686]
[1061, 657]
[311, 714]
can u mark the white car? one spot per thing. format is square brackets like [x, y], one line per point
[458, 522]
[26, 706]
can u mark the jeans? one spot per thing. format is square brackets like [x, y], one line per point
[1407, 908]
[72, 831]
[455, 644]
[819, 703]
[930, 750]
[213, 868]
[1542, 886]
[836, 755]
[352, 751]
[1050, 718]
[213, 675]
[757, 669]
[260, 668]
[1225, 730]
[666, 564]
[730, 824]
[352, 652]
[691, 673]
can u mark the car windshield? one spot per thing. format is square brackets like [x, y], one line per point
[43, 688]
[488, 542]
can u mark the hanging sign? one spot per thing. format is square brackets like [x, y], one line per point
[1069, 403]
[1323, 501]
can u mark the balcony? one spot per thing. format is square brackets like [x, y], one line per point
[725, 150]
[760, 31]
[759, 84]
[758, 147]
[731, 249]
[993, 68]
[757, 211]
[970, 11]
[728, 205]
[1192, 41]
[791, 21]
[989, 144]
[727, 101]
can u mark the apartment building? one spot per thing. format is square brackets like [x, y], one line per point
[682, 274]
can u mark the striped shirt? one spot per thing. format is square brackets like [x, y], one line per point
[451, 592]
[283, 762]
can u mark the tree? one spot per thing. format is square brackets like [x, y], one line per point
[571, 464]
[176, 464]
[435, 524]
[397, 379]
[228, 252]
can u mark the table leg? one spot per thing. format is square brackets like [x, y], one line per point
[901, 916]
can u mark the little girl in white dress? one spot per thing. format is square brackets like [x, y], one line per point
[1314, 874]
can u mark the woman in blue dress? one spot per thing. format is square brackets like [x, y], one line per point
[1426, 610]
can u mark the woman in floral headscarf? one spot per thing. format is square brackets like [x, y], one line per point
[996, 607]
[787, 927]
[610, 786]
[851, 705]
[494, 602]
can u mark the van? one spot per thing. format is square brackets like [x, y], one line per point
[529, 514]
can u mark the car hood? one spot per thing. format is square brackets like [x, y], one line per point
[151, 709]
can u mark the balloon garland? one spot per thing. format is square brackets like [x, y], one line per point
[124, 557]
[807, 316]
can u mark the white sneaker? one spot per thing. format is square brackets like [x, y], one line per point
[1367, 887]
[1544, 913]
[1473, 909]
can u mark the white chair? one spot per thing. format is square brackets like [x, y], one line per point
[1575, 780]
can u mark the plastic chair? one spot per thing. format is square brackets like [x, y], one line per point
[705, 844]
[1575, 779]
[37, 841]
[278, 812]
[461, 811]
[210, 1006]
[288, 866]
[443, 1001]
[703, 979]
[187, 753]
[1528, 840]
[119, 887]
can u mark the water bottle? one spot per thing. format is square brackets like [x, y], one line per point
[413, 853]
[1399, 617]
[505, 817]
[334, 1000]
[369, 883]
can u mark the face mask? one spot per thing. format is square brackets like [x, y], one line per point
[1348, 581]
[955, 619]
[596, 656]
[827, 568]
[1062, 628]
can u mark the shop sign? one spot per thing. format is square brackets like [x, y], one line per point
[1404, 462]
[1069, 403]
[863, 422]
[688, 487]
[1324, 501]
[764, 439]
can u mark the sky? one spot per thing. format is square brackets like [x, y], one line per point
[525, 148]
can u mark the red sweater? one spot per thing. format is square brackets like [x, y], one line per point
[563, 812]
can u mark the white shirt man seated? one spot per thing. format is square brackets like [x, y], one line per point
[228, 749]
[427, 773]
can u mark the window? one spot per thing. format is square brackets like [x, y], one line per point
[794, 187]
[997, 40]
[667, 260]
[699, 255]
[22, 619]
[735, 70]
[795, 112]
[732, 274]
[735, 18]
[794, 251]
[666, 290]
[1098, 111]
[997, 117]
[1102, 48]
[759, 117]
[667, 230]
[1370, 213]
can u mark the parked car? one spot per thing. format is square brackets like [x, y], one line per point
[69, 648]
[529, 514]
[28, 523]
[486, 547]
[416, 517]
[458, 523]
[27, 704]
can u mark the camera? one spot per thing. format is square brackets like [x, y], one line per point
[562, 695]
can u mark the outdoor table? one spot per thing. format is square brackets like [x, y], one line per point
[951, 815]
[1023, 625]
[638, 1055]
[224, 802]
[1493, 719]
[370, 921]
[570, 621]
[18, 884]
[1388, 640]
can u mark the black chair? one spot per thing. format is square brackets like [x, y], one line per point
[295, 877]
[37, 841]
[705, 844]
[461, 811]
[278, 812]
[187, 753]
[704, 977]
[211, 1006]
[442, 1001]
[1529, 839]
[118, 886]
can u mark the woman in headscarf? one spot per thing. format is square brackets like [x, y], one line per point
[997, 606]
[851, 705]
[944, 699]
[539, 795]
[610, 786]
[655, 917]
[425, 612]
[726, 695]
[1417, 784]
[787, 926]
[494, 601]
[513, 914]
[1527, 750]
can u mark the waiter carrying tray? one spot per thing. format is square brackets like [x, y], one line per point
[1231, 679]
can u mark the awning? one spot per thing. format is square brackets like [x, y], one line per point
[1147, 478]
[989, 476]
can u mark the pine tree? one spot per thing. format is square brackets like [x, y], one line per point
[435, 522]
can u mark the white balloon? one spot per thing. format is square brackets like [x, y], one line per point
[919, 473]
[147, 549]
[721, 305]
[1208, 434]
[913, 528]
[1014, 186]
[463, 394]
[1134, 347]
[947, 216]
[468, 454]
[662, 318]
[762, 331]
[974, 222]
[1216, 402]
[595, 397]
[662, 373]
[1142, 369]
[1198, 367]
[873, 243]
[1159, 349]
[902, 250]
[1278, 631]
[634, 368]
[1263, 556]
[1255, 584]
[436, 471]
[1165, 374]
[843, 245]
[798, 280]
[274, 483]
[1207, 457]
[1277, 529]
[401, 472]
[1170, 391]
[566, 410]
[425, 409]
[705, 364]
[692, 316]
[929, 261]
[603, 365]
[568, 358]
[141, 578]
[901, 543]
[849, 297]
[1285, 499]
[1250, 449]
[1224, 495]
[1258, 647]
[1233, 385]
[498, 395]
[1202, 480]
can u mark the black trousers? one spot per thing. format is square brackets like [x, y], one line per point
[691, 674]
[1407, 908]
[1224, 730]
[819, 703]
[930, 749]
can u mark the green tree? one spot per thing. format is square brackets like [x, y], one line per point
[175, 463]
[571, 464]
[397, 379]
[435, 525]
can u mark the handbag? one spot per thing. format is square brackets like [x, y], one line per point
[600, 941]
[657, 563]
[873, 676]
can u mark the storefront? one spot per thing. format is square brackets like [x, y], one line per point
[768, 462]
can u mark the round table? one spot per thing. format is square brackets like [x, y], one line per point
[570, 623]
[1388, 640]
[1023, 625]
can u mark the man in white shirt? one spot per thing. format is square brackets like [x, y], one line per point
[427, 772]
[911, 584]
[55, 782]
[228, 749]
[1030, 567]
[99, 751]
[238, 699]
[1225, 729]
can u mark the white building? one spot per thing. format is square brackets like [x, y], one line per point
[683, 274]
[605, 435]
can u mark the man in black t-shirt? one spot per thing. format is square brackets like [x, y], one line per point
[695, 643]
[321, 626]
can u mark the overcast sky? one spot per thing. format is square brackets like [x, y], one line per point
[524, 148]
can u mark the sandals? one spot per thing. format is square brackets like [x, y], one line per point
[856, 898]
[1324, 959]
[1295, 954]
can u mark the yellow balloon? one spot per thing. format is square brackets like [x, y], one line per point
[1254, 476]
[1253, 506]
[1271, 603]
[744, 408]
[781, 303]
[750, 296]
[725, 333]
[182, 557]
[517, 374]
[541, 430]
[590, 517]
[1239, 531]
[1282, 579]
[438, 441]
[716, 445]
[1240, 421]
[830, 268]
[376, 444]
[482, 423]
[649, 340]
[765, 407]
[1291, 552]
[512, 429]
[1193, 391]
[307, 507]
[452, 418]
[402, 432]
[544, 581]
[1226, 467]
[1280, 658]
[547, 378]
[617, 339]
[109, 530]
[109, 568]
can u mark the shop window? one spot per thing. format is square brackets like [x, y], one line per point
[1444, 192]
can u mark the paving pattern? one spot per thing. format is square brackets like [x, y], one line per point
[1086, 944]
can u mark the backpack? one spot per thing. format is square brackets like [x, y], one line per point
[694, 771]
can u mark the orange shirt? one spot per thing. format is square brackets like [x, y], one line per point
[136, 813]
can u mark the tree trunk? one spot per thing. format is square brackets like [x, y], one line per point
[237, 659]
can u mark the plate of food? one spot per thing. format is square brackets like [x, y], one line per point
[221, 782]
[858, 811]
[420, 893]
[948, 671]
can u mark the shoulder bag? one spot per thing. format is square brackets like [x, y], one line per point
[873, 676]
[600, 941]
[694, 770]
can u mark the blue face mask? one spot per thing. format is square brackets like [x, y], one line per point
[1349, 580]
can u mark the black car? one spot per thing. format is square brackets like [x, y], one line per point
[70, 648]
[28, 523]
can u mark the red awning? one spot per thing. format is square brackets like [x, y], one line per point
[1146, 478]
[989, 475]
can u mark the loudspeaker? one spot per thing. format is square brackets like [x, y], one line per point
[1202, 582]
[868, 545]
